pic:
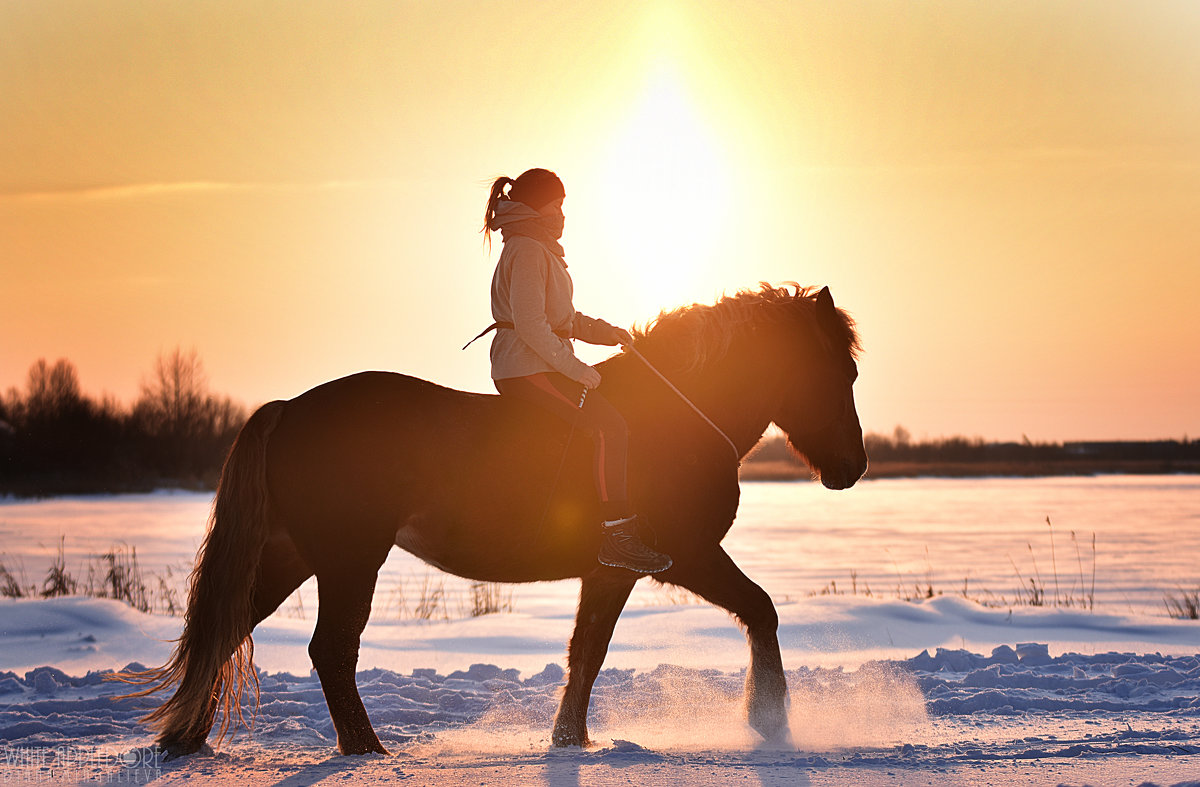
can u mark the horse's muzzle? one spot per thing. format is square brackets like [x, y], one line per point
[844, 474]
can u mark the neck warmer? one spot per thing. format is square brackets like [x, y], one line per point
[517, 218]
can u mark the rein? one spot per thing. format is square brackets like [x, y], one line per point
[737, 456]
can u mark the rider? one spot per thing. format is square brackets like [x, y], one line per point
[532, 357]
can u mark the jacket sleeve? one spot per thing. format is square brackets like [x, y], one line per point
[593, 330]
[527, 299]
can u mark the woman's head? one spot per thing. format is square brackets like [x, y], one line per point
[537, 188]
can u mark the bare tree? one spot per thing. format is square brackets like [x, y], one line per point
[189, 429]
[53, 391]
[174, 397]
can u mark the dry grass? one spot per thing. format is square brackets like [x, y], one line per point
[425, 597]
[1185, 605]
[429, 603]
[489, 598]
[13, 587]
[1032, 590]
[59, 581]
[115, 574]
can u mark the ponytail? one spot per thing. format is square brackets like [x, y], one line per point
[495, 197]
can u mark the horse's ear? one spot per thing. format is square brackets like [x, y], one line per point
[825, 301]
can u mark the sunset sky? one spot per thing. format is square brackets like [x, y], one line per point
[1006, 196]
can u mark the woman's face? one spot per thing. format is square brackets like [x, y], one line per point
[553, 217]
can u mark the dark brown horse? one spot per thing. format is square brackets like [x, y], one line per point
[327, 483]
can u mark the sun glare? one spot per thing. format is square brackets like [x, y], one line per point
[664, 197]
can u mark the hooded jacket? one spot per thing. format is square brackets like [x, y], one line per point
[532, 291]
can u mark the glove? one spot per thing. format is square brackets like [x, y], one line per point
[591, 378]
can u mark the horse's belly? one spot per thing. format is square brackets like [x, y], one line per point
[444, 548]
[412, 538]
[484, 554]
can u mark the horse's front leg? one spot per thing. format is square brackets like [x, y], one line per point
[601, 599]
[716, 578]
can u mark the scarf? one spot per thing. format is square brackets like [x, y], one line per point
[516, 218]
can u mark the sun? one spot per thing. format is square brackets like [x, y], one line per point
[664, 197]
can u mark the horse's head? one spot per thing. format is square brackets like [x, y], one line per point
[773, 354]
[816, 409]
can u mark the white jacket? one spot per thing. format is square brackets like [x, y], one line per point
[532, 291]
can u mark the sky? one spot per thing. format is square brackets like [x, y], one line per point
[1005, 196]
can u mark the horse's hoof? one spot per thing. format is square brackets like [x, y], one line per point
[172, 750]
[777, 734]
[563, 738]
[363, 747]
[771, 724]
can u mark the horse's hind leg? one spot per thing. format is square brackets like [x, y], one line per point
[717, 579]
[344, 605]
[601, 599]
[281, 569]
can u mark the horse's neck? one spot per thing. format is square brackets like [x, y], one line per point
[743, 417]
[737, 392]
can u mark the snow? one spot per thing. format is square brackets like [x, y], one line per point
[882, 691]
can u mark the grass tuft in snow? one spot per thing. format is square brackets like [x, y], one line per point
[430, 600]
[426, 598]
[1031, 590]
[59, 581]
[489, 598]
[11, 586]
[115, 574]
[121, 578]
[1185, 605]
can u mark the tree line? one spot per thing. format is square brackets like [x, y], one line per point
[898, 454]
[900, 447]
[54, 439]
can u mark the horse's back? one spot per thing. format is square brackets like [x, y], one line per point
[384, 454]
[393, 387]
[366, 434]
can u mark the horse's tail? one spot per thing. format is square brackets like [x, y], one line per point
[213, 661]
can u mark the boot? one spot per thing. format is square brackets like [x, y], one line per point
[621, 548]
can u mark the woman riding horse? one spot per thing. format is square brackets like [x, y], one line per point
[329, 482]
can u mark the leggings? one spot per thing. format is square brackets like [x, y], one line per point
[558, 394]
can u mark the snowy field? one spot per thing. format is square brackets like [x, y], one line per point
[883, 690]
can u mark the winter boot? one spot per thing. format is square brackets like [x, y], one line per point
[621, 548]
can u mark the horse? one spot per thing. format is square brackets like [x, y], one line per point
[494, 490]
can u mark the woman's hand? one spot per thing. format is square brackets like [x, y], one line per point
[622, 336]
[591, 378]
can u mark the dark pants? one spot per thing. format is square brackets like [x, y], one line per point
[559, 394]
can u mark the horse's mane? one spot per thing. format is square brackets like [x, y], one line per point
[702, 333]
